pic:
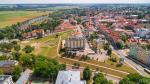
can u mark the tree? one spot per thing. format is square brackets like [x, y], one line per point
[28, 49]
[16, 55]
[17, 47]
[16, 73]
[1, 36]
[124, 38]
[109, 51]
[100, 79]
[1, 72]
[27, 60]
[126, 80]
[45, 67]
[78, 21]
[87, 73]
[148, 46]
[6, 47]
[135, 79]
[144, 81]
[106, 46]
[119, 45]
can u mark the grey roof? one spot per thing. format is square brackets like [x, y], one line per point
[69, 77]
[7, 63]
[3, 78]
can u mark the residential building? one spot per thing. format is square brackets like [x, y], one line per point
[142, 32]
[8, 65]
[69, 77]
[75, 43]
[6, 79]
[140, 54]
[33, 34]
[65, 25]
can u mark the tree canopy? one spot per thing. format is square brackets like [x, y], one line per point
[135, 79]
[47, 67]
[28, 49]
[100, 79]
[87, 73]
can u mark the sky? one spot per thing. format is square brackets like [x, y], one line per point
[69, 1]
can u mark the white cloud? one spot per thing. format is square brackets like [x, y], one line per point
[71, 1]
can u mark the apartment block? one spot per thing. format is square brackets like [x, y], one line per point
[140, 54]
[75, 43]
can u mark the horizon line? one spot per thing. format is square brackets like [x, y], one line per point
[65, 3]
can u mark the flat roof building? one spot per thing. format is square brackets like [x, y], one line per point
[69, 77]
[8, 65]
[6, 79]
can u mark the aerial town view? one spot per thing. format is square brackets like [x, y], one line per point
[75, 42]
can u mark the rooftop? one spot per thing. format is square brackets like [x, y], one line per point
[4, 63]
[69, 77]
[3, 78]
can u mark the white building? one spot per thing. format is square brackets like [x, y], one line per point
[6, 79]
[143, 32]
[69, 77]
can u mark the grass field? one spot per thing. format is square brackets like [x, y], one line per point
[8, 18]
[46, 46]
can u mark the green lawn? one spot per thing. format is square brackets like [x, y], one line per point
[46, 46]
[8, 18]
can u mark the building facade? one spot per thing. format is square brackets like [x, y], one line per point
[75, 43]
[140, 54]
[142, 33]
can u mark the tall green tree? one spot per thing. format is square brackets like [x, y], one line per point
[124, 38]
[119, 45]
[87, 73]
[109, 51]
[106, 46]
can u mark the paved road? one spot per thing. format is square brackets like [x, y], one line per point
[132, 64]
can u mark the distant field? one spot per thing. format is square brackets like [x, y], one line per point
[8, 18]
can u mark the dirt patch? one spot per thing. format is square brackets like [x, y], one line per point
[24, 41]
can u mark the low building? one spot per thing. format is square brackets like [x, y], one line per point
[6, 79]
[142, 32]
[69, 77]
[8, 65]
[75, 43]
[33, 34]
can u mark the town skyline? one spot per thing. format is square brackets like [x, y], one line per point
[73, 1]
